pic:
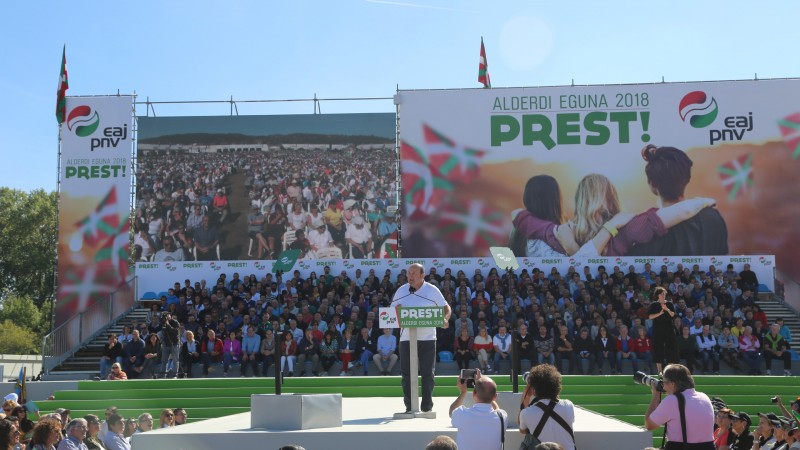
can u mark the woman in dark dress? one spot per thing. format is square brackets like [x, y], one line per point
[665, 344]
[463, 349]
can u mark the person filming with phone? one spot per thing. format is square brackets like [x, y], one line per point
[687, 414]
[481, 426]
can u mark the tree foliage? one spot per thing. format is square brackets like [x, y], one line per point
[22, 311]
[17, 340]
[28, 242]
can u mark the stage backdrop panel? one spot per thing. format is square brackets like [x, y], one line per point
[94, 202]
[466, 156]
[155, 278]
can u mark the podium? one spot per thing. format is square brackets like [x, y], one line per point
[412, 318]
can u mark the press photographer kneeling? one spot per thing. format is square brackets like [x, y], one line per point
[687, 414]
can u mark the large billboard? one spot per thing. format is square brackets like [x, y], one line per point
[472, 158]
[251, 187]
[94, 202]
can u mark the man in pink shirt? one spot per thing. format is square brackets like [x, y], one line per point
[698, 410]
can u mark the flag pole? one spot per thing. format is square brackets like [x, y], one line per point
[61, 105]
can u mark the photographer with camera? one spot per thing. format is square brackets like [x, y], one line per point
[687, 414]
[543, 417]
[481, 426]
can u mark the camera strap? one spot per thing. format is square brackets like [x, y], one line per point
[502, 431]
[549, 412]
[682, 412]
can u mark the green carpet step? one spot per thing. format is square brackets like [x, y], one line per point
[155, 393]
[211, 383]
[196, 402]
[568, 390]
[214, 383]
[767, 391]
[346, 391]
[711, 380]
[194, 414]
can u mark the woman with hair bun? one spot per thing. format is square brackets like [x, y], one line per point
[668, 172]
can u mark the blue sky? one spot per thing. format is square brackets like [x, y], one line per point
[203, 50]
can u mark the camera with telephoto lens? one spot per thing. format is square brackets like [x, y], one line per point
[648, 380]
[468, 377]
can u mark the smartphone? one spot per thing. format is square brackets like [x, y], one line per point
[468, 376]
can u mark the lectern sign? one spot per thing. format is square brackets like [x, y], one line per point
[411, 317]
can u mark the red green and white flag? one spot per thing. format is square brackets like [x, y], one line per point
[116, 250]
[82, 285]
[790, 130]
[483, 69]
[389, 247]
[475, 224]
[737, 175]
[63, 85]
[101, 223]
[424, 185]
[454, 162]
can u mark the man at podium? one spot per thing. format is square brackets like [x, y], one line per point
[418, 292]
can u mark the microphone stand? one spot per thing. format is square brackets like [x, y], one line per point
[515, 361]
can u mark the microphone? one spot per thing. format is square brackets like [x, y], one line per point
[411, 291]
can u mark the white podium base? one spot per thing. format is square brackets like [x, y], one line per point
[295, 411]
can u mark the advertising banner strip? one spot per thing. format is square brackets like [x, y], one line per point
[94, 202]
[156, 277]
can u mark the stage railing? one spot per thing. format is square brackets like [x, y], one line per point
[788, 290]
[86, 325]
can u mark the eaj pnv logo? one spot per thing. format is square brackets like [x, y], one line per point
[83, 121]
[698, 108]
[701, 110]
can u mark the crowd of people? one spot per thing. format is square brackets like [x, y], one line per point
[19, 430]
[581, 322]
[310, 200]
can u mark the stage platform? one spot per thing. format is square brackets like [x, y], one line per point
[368, 424]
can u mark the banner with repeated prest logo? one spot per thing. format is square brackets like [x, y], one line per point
[156, 277]
[472, 158]
[94, 202]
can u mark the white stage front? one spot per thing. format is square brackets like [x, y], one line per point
[368, 424]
